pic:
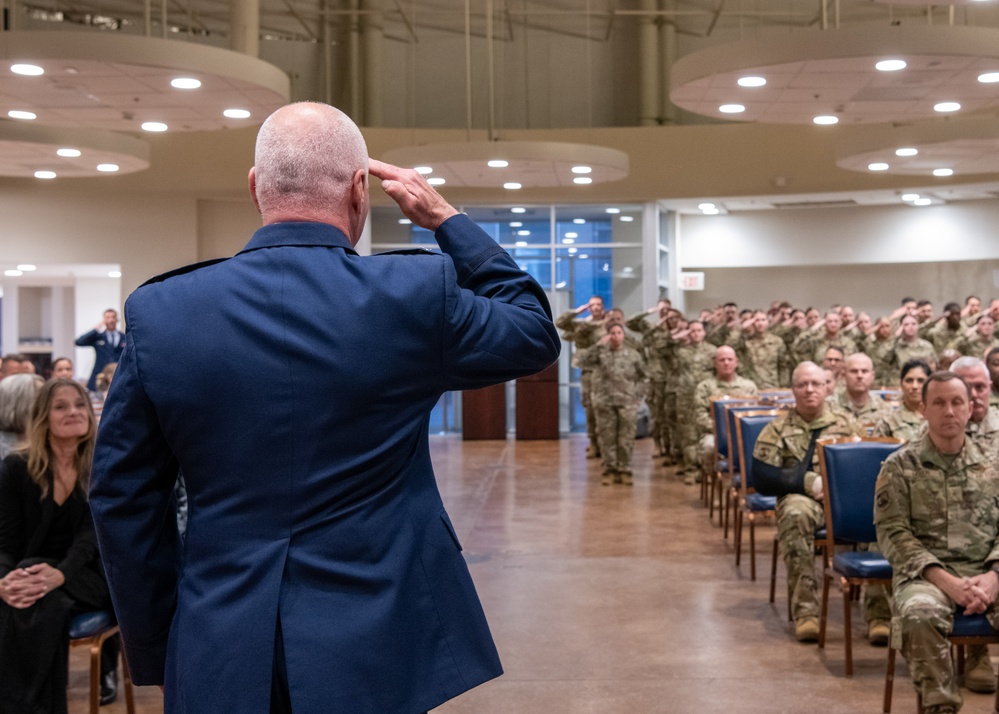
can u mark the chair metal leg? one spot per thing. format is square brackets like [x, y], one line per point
[737, 515]
[95, 676]
[752, 547]
[126, 678]
[847, 626]
[711, 498]
[889, 680]
[824, 612]
[728, 498]
[773, 570]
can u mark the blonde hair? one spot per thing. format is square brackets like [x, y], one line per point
[39, 451]
[103, 380]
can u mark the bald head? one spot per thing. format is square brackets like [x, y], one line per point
[311, 164]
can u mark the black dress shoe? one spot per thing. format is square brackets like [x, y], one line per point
[109, 688]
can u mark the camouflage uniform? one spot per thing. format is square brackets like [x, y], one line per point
[930, 510]
[669, 354]
[975, 346]
[763, 359]
[994, 398]
[694, 363]
[942, 337]
[812, 347]
[784, 443]
[583, 334]
[655, 339]
[869, 413]
[900, 424]
[880, 353]
[619, 381]
[902, 351]
[986, 432]
[713, 387]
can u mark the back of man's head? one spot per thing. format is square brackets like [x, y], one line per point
[305, 160]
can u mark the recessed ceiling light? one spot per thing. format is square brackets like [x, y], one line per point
[436, 181]
[518, 209]
[68, 153]
[154, 126]
[524, 232]
[988, 77]
[943, 172]
[908, 151]
[612, 211]
[516, 224]
[13, 273]
[731, 108]
[497, 164]
[521, 244]
[185, 83]
[910, 196]
[582, 169]
[405, 222]
[922, 202]
[512, 185]
[114, 274]
[21, 114]
[946, 107]
[582, 180]
[877, 166]
[627, 219]
[826, 120]
[424, 170]
[45, 174]
[107, 168]
[28, 70]
[890, 65]
[705, 206]
[27, 267]
[568, 241]
[236, 113]
[751, 81]
[710, 211]
[579, 221]
[583, 256]
[573, 251]
[572, 234]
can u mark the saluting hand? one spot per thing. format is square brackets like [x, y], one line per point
[418, 200]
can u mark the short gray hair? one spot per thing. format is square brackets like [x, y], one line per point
[968, 362]
[306, 156]
[17, 396]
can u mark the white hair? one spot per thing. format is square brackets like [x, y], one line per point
[17, 397]
[306, 156]
[967, 362]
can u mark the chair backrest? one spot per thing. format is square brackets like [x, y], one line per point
[730, 415]
[849, 471]
[718, 406]
[748, 427]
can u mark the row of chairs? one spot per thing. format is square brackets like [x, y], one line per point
[849, 468]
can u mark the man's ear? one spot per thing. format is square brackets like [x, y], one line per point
[252, 180]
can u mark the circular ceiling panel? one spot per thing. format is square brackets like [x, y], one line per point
[26, 150]
[118, 82]
[831, 76]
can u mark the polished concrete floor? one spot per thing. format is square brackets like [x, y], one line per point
[623, 599]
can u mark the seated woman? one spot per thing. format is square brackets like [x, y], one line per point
[49, 565]
[906, 422]
[17, 396]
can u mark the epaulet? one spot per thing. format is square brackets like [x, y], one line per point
[181, 271]
[410, 251]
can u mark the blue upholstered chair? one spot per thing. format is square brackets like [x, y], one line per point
[719, 405]
[91, 629]
[751, 505]
[733, 489]
[968, 630]
[849, 469]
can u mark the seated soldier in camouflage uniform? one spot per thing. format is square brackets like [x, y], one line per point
[619, 381]
[983, 426]
[906, 422]
[992, 363]
[942, 550]
[855, 399]
[785, 464]
[725, 382]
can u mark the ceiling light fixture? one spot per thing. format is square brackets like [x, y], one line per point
[405, 222]
[627, 219]
[521, 244]
[423, 170]
[731, 108]
[922, 202]
[524, 233]
[518, 209]
[910, 196]
[27, 70]
[68, 153]
[877, 166]
[516, 224]
[579, 221]
[568, 241]
[988, 77]
[612, 211]
[13, 273]
[705, 206]
[236, 113]
[512, 186]
[890, 65]
[27, 267]
[751, 81]
[497, 164]
[946, 107]
[114, 274]
[154, 126]
[710, 211]
[107, 168]
[582, 180]
[185, 83]
[825, 120]
[21, 114]
[45, 175]
[581, 169]
[943, 172]
[908, 151]
[436, 181]
[572, 234]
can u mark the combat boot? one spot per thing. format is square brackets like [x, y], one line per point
[592, 452]
[978, 674]
[807, 629]
[626, 478]
[606, 479]
[878, 631]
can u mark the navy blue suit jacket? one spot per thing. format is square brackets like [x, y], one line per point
[300, 423]
[105, 354]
